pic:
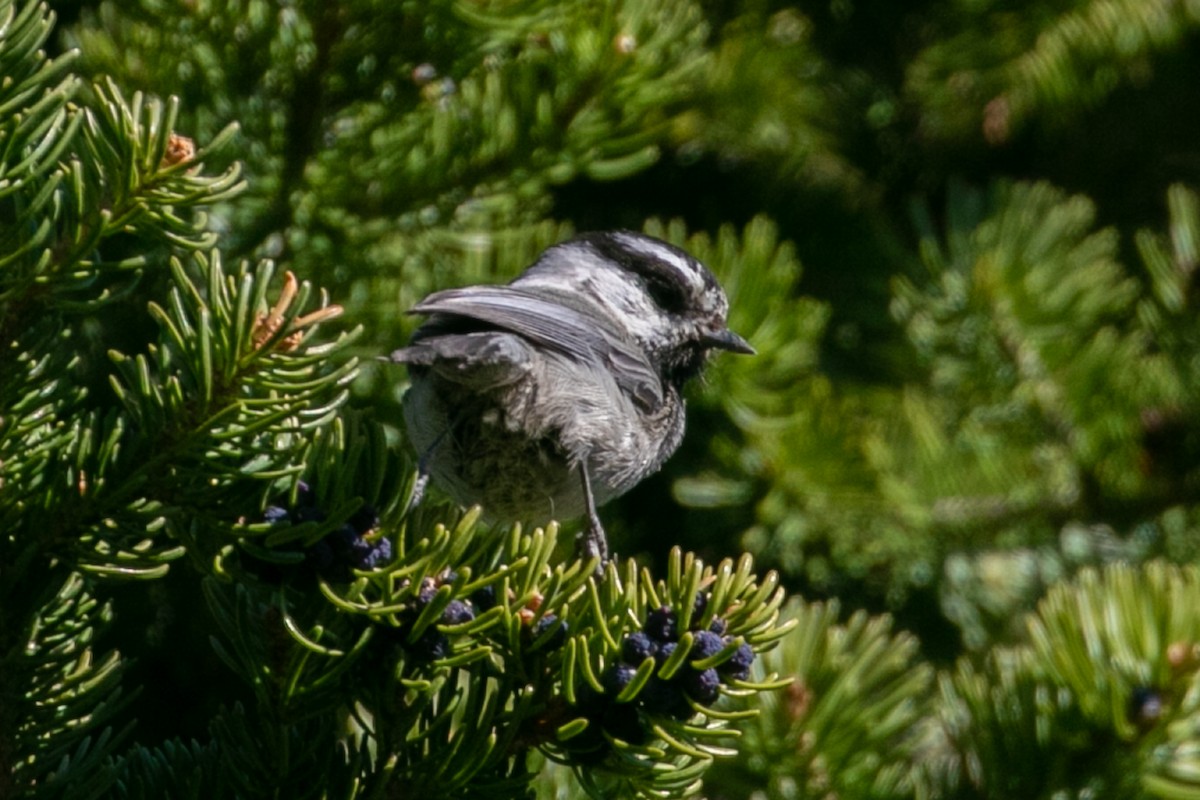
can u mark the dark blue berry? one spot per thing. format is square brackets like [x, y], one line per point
[616, 678]
[718, 626]
[457, 612]
[637, 647]
[484, 597]
[664, 697]
[275, 514]
[703, 686]
[699, 606]
[1145, 705]
[428, 589]
[705, 644]
[738, 665]
[662, 625]
[664, 652]
[556, 638]
[379, 554]
[360, 553]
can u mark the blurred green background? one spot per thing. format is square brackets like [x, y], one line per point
[959, 234]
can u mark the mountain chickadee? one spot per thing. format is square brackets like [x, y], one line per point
[559, 391]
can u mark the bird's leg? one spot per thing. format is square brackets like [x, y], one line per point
[591, 540]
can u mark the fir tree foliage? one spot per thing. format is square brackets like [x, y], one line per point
[1001, 70]
[96, 480]
[1094, 397]
[1166, 312]
[850, 722]
[83, 167]
[1100, 702]
[788, 439]
[762, 101]
[160, 403]
[1046, 377]
[1004, 286]
[399, 160]
[167, 402]
[466, 652]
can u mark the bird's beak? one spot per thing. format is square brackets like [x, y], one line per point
[728, 340]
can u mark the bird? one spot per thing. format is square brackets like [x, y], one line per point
[546, 397]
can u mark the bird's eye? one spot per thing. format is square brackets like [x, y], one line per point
[669, 296]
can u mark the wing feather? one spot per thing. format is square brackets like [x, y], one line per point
[550, 325]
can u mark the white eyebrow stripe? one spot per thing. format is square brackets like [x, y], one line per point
[682, 264]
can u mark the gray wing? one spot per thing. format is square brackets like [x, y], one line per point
[548, 325]
[481, 360]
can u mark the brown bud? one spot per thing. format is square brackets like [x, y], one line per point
[1182, 655]
[180, 149]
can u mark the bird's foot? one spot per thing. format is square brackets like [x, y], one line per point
[592, 543]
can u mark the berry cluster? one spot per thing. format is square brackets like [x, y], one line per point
[433, 643]
[548, 632]
[348, 547]
[658, 639]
